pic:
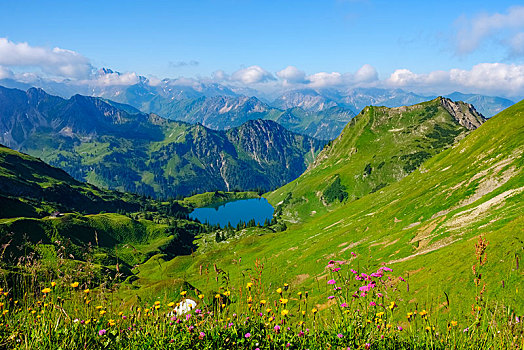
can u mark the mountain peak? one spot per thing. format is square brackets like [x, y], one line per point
[464, 113]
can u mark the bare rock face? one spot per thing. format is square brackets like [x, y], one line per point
[464, 113]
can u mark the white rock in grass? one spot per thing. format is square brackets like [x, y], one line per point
[185, 306]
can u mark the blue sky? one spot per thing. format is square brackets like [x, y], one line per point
[196, 38]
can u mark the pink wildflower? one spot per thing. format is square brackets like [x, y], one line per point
[331, 282]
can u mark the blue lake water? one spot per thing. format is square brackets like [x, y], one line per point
[235, 211]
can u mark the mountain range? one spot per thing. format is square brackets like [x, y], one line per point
[118, 147]
[319, 113]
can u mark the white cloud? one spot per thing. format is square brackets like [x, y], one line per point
[473, 32]
[115, 78]
[364, 76]
[252, 75]
[324, 79]
[56, 61]
[487, 78]
[5, 73]
[220, 75]
[292, 74]
[367, 73]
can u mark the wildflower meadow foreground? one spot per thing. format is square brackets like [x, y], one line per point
[360, 309]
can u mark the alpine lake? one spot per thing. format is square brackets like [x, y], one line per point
[234, 212]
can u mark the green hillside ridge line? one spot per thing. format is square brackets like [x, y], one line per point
[423, 226]
[30, 187]
[378, 147]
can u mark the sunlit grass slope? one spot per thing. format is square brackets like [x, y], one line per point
[423, 226]
[378, 147]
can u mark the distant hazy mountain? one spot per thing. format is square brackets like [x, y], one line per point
[121, 148]
[319, 113]
[309, 100]
[487, 105]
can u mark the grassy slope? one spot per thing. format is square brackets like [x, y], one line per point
[424, 226]
[380, 146]
[30, 187]
[30, 190]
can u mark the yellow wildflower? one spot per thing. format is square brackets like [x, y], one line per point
[157, 302]
[279, 290]
[392, 305]
[227, 293]
[53, 284]
[183, 293]
[74, 284]
[454, 323]
[283, 301]
[98, 307]
[262, 302]
[217, 296]
[201, 296]
[249, 285]
[314, 310]
[268, 310]
[46, 290]
[86, 291]
[285, 312]
[171, 304]
[102, 312]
